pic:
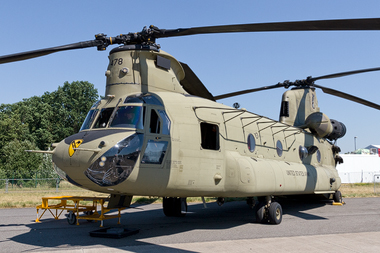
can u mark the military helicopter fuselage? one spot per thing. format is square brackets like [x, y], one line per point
[159, 132]
[179, 145]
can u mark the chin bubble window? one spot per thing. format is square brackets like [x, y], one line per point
[115, 165]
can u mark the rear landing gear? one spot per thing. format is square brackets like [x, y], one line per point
[174, 207]
[275, 213]
[268, 211]
[337, 197]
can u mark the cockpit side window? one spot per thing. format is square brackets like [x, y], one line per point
[154, 126]
[165, 122]
[103, 118]
[91, 116]
[89, 119]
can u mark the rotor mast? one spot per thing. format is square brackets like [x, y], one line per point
[133, 69]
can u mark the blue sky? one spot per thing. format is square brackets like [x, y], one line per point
[224, 62]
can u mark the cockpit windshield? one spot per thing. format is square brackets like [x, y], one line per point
[128, 116]
[103, 118]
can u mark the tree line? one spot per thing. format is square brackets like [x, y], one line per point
[37, 122]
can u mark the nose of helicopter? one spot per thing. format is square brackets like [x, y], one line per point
[98, 158]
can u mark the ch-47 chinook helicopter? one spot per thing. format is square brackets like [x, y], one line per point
[159, 132]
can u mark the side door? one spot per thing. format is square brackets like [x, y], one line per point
[157, 141]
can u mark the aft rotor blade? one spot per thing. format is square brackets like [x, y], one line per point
[46, 51]
[193, 85]
[348, 96]
[344, 74]
[237, 93]
[317, 25]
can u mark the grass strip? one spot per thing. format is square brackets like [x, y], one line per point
[31, 197]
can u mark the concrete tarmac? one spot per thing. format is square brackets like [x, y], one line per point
[306, 227]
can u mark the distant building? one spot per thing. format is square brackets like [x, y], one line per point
[361, 166]
[374, 149]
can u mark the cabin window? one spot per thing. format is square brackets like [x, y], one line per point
[251, 142]
[319, 156]
[303, 153]
[154, 152]
[103, 118]
[128, 116]
[279, 148]
[210, 136]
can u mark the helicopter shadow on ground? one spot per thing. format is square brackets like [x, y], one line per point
[298, 207]
[154, 226]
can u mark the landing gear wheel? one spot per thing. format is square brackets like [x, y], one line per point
[275, 213]
[260, 213]
[337, 197]
[251, 202]
[89, 213]
[71, 218]
[174, 207]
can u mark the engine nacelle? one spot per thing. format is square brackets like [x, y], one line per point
[323, 127]
[339, 130]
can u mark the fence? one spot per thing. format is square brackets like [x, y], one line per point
[376, 183]
[358, 176]
[35, 184]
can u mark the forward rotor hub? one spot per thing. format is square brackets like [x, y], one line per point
[304, 83]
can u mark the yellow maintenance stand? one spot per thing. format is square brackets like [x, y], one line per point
[73, 205]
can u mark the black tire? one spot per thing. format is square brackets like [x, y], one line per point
[89, 213]
[168, 206]
[260, 213]
[71, 218]
[220, 201]
[183, 205]
[338, 197]
[174, 207]
[275, 213]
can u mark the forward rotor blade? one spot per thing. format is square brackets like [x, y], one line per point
[46, 51]
[348, 96]
[237, 93]
[317, 25]
[344, 74]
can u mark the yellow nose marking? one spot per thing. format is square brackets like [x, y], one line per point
[74, 144]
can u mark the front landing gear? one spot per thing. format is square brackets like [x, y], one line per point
[174, 207]
[268, 211]
[338, 199]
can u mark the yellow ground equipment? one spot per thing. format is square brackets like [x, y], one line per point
[74, 205]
